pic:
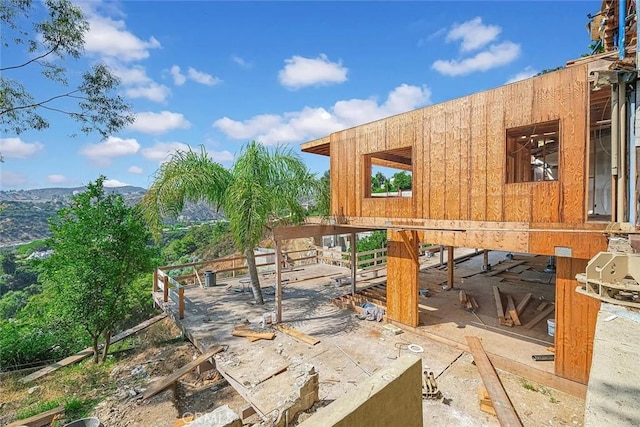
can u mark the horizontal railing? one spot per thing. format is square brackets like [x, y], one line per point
[173, 287]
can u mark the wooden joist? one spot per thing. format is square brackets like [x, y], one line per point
[545, 313]
[523, 304]
[297, 334]
[504, 409]
[161, 385]
[43, 419]
[511, 309]
[499, 308]
[89, 350]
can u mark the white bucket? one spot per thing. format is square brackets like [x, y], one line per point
[551, 327]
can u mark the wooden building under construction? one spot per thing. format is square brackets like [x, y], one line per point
[539, 166]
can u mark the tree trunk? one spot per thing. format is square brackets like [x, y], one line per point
[253, 273]
[107, 342]
[95, 347]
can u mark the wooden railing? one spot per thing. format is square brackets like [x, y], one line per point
[173, 287]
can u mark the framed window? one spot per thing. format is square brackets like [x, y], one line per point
[389, 173]
[533, 152]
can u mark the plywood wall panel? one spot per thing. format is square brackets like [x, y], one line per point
[478, 154]
[575, 322]
[437, 172]
[466, 171]
[574, 145]
[452, 160]
[421, 167]
[517, 201]
[495, 154]
[545, 201]
[519, 104]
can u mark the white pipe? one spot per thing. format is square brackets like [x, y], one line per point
[615, 143]
[622, 155]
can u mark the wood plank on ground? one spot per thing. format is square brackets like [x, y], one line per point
[253, 334]
[545, 313]
[161, 385]
[504, 409]
[523, 304]
[308, 339]
[513, 313]
[499, 308]
[43, 419]
[81, 355]
[504, 266]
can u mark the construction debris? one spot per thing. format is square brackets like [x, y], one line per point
[467, 301]
[297, 334]
[485, 401]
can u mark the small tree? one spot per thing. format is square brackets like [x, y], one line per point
[100, 247]
[402, 181]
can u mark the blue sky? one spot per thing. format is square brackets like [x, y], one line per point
[219, 74]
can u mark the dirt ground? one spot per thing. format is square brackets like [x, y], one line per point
[350, 350]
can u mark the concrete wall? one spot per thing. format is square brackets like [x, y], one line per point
[391, 397]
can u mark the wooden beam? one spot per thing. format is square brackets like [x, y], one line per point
[451, 265]
[545, 313]
[511, 309]
[523, 304]
[308, 339]
[43, 419]
[278, 281]
[409, 245]
[161, 385]
[354, 261]
[247, 333]
[504, 409]
[313, 230]
[499, 308]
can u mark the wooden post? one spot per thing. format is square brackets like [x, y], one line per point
[181, 302]
[233, 265]
[317, 260]
[354, 263]
[166, 288]
[278, 282]
[450, 267]
[441, 255]
[485, 260]
[155, 280]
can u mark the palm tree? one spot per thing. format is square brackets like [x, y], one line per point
[261, 190]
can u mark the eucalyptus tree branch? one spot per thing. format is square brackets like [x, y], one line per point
[37, 58]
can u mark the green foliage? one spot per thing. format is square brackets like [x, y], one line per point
[377, 240]
[9, 263]
[100, 246]
[38, 408]
[49, 44]
[11, 303]
[79, 408]
[262, 189]
[402, 181]
[322, 190]
[35, 246]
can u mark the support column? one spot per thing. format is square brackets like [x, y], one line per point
[354, 262]
[441, 255]
[485, 260]
[402, 277]
[278, 282]
[450, 267]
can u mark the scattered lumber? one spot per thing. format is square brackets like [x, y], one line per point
[43, 419]
[467, 301]
[505, 412]
[544, 357]
[307, 339]
[499, 308]
[541, 306]
[545, 313]
[511, 309]
[505, 266]
[248, 333]
[523, 304]
[485, 402]
[162, 385]
[81, 355]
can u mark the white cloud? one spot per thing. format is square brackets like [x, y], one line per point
[110, 38]
[241, 61]
[496, 56]
[473, 34]
[300, 72]
[202, 77]
[178, 78]
[102, 152]
[315, 122]
[129, 76]
[57, 179]
[221, 156]
[114, 183]
[161, 150]
[158, 123]
[522, 75]
[136, 170]
[152, 91]
[18, 149]
[12, 179]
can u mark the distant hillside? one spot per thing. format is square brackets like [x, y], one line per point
[24, 213]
